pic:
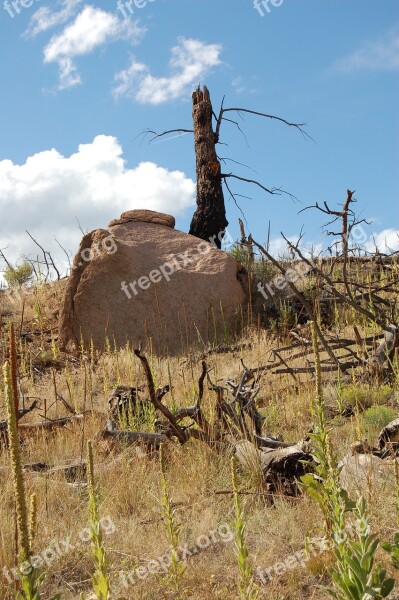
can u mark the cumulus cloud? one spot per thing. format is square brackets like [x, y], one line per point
[92, 28]
[244, 85]
[279, 248]
[381, 55]
[385, 241]
[190, 62]
[49, 193]
[46, 18]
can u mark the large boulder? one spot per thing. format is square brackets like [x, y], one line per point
[362, 472]
[144, 216]
[143, 282]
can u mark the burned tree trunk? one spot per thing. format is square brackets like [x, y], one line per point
[209, 220]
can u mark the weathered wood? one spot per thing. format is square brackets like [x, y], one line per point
[185, 412]
[209, 220]
[388, 439]
[324, 368]
[267, 442]
[383, 353]
[281, 467]
[245, 396]
[375, 259]
[72, 471]
[26, 411]
[299, 295]
[21, 413]
[125, 400]
[48, 424]
[249, 493]
[69, 408]
[226, 349]
[151, 440]
[156, 399]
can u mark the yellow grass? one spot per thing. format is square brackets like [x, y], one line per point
[130, 484]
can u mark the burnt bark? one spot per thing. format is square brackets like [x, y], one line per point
[209, 220]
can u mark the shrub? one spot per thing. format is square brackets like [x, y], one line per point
[379, 416]
[356, 575]
[365, 396]
[19, 274]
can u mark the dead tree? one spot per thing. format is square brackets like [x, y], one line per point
[236, 425]
[209, 220]
[375, 301]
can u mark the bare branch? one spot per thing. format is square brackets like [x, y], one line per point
[219, 122]
[178, 431]
[3, 256]
[45, 254]
[238, 127]
[272, 191]
[298, 126]
[223, 159]
[156, 135]
[306, 304]
[234, 200]
[334, 290]
[65, 252]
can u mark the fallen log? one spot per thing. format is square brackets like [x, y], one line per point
[388, 439]
[267, 442]
[37, 467]
[73, 471]
[324, 368]
[49, 424]
[152, 441]
[21, 413]
[282, 468]
[249, 493]
[384, 353]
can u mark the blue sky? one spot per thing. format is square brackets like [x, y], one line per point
[80, 80]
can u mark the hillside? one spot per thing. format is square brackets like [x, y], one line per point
[284, 527]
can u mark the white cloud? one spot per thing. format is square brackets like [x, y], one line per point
[279, 248]
[49, 192]
[243, 85]
[46, 18]
[191, 61]
[91, 29]
[385, 241]
[381, 55]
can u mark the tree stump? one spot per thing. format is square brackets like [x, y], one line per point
[209, 220]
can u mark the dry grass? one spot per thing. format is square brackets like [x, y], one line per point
[130, 483]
